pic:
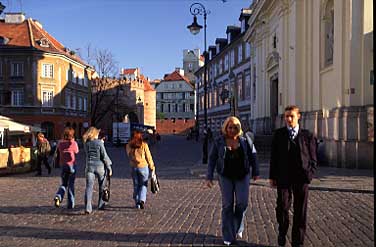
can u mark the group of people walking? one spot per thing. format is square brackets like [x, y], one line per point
[98, 166]
[292, 165]
[233, 156]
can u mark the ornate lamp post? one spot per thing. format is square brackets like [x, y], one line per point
[199, 9]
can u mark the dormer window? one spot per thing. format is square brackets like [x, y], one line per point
[3, 40]
[243, 26]
[44, 42]
[218, 48]
[228, 38]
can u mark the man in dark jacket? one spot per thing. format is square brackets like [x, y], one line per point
[292, 165]
[43, 149]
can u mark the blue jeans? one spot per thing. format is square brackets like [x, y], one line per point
[233, 191]
[68, 176]
[140, 178]
[92, 172]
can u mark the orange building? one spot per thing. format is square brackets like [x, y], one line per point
[42, 82]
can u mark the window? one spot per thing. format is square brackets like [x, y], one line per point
[190, 67]
[73, 103]
[240, 87]
[85, 80]
[68, 100]
[226, 62]
[247, 50]
[85, 104]
[17, 98]
[80, 106]
[17, 69]
[220, 65]
[240, 53]
[243, 26]
[1, 70]
[247, 85]
[73, 76]
[47, 98]
[47, 70]
[232, 58]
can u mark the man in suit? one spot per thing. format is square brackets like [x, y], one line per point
[292, 165]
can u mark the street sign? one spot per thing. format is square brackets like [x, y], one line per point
[121, 132]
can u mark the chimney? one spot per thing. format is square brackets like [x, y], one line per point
[180, 71]
[14, 18]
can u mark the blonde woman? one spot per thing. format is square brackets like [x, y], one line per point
[97, 165]
[233, 159]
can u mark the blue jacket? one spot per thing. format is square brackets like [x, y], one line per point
[217, 155]
[96, 154]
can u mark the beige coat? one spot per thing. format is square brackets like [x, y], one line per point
[140, 157]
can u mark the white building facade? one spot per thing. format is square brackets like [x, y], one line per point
[317, 55]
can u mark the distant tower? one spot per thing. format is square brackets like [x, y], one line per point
[191, 63]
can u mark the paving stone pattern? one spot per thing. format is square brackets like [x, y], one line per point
[184, 213]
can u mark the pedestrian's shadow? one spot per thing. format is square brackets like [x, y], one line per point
[139, 239]
[42, 210]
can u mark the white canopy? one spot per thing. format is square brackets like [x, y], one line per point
[15, 127]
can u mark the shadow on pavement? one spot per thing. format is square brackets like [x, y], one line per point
[128, 239]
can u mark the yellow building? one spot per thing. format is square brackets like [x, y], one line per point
[317, 54]
[42, 82]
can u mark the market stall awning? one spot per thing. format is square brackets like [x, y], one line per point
[15, 127]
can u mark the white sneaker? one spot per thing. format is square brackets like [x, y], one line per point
[239, 235]
[228, 243]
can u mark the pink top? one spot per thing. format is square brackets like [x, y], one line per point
[67, 151]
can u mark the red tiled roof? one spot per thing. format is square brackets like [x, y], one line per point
[28, 34]
[176, 76]
[128, 71]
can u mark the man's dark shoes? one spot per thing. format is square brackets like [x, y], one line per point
[49, 170]
[281, 240]
[38, 174]
[142, 204]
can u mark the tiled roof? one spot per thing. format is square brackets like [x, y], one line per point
[176, 76]
[29, 34]
[128, 71]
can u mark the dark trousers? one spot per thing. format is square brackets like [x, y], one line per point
[44, 160]
[284, 198]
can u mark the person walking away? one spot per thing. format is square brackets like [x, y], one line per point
[293, 163]
[141, 161]
[43, 150]
[67, 149]
[232, 158]
[98, 164]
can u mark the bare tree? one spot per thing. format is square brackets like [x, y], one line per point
[103, 61]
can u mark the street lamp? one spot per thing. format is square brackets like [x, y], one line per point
[194, 28]
[2, 7]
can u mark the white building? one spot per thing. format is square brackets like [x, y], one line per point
[318, 55]
[175, 96]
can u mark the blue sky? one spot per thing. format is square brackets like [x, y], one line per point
[150, 34]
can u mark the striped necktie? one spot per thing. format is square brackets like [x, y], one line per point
[292, 134]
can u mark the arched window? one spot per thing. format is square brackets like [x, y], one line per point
[327, 30]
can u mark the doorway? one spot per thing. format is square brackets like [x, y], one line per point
[273, 101]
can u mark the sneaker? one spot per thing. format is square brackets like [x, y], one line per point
[142, 204]
[57, 201]
[38, 174]
[239, 235]
[87, 212]
[228, 243]
[138, 206]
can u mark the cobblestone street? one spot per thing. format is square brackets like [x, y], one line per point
[184, 213]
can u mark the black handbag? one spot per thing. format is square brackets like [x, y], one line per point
[154, 183]
[106, 188]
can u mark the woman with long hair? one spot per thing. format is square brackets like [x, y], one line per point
[98, 164]
[141, 161]
[233, 159]
[67, 149]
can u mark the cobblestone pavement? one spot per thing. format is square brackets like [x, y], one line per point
[184, 213]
